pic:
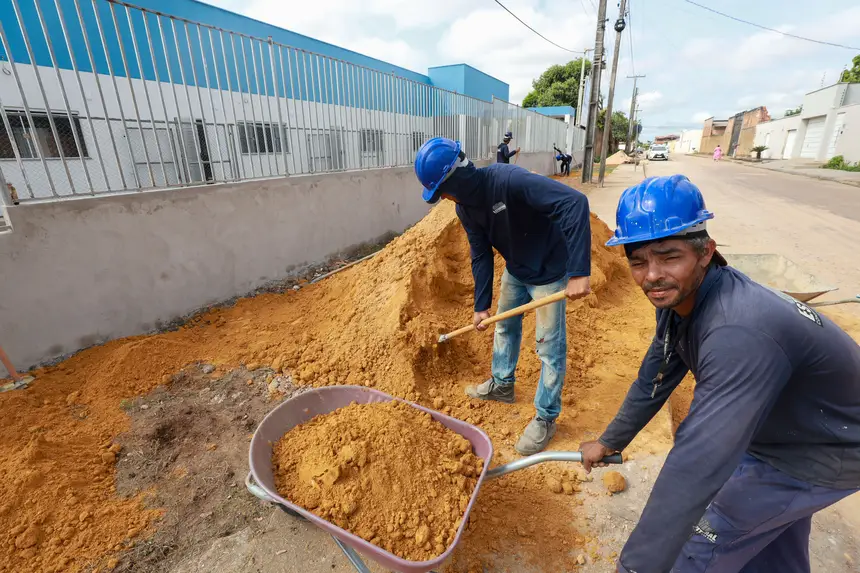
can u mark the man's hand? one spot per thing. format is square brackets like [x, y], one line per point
[592, 453]
[478, 317]
[578, 287]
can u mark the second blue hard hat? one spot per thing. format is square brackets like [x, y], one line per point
[433, 162]
[657, 208]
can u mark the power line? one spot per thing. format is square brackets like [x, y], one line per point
[584, 9]
[796, 37]
[536, 32]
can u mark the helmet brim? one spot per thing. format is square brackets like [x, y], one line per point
[647, 237]
[431, 196]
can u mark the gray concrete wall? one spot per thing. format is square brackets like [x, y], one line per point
[84, 271]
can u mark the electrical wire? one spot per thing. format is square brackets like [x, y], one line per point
[796, 37]
[584, 9]
[536, 32]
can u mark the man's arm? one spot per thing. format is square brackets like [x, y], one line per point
[482, 262]
[567, 208]
[741, 374]
[643, 402]
[510, 154]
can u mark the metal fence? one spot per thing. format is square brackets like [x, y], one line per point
[107, 97]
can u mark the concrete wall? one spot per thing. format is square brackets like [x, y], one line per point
[848, 144]
[773, 134]
[83, 271]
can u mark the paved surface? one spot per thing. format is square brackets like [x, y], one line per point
[806, 168]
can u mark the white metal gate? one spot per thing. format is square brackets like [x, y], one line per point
[813, 137]
[790, 138]
[837, 131]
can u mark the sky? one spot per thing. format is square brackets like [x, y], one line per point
[697, 64]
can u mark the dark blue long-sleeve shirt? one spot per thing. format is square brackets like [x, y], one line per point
[503, 155]
[540, 226]
[773, 378]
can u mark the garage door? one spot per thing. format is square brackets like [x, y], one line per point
[790, 137]
[813, 137]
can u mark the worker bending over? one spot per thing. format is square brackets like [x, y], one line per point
[773, 433]
[542, 229]
[565, 160]
[503, 155]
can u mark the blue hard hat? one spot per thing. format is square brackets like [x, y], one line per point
[656, 208]
[433, 162]
[559, 157]
[508, 135]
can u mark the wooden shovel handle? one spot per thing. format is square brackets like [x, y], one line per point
[560, 295]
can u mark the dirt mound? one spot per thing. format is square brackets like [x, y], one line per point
[386, 472]
[617, 158]
[375, 324]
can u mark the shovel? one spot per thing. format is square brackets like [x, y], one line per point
[507, 314]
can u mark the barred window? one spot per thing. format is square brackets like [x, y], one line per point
[418, 139]
[371, 140]
[30, 139]
[260, 138]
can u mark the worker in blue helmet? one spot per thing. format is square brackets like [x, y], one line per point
[773, 433]
[542, 230]
[565, 159]
[503, 153]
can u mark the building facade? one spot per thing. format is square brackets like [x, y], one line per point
[736, 135]
[101, 97]
[828, 125]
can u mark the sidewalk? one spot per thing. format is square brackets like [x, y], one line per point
[803, 168]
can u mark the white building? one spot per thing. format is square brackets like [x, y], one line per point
[690, 141]
[828, 125]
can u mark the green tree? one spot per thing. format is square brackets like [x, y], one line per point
[620, 125]
[558, 85]
[852, 76]
[795, 111]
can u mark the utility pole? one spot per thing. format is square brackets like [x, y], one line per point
[636, 136]
[582, 86]
[632, 108]
[591, 128]
[607, 123]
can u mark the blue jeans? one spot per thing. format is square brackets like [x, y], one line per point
[550, 334]
[759, 522]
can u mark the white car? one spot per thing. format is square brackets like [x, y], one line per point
[658, 152]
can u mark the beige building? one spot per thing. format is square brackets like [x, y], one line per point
[828, 125]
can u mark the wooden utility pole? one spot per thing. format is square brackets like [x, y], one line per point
[591, 128]
[607, 123]
[628, 145]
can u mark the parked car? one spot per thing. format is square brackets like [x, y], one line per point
[658, 152]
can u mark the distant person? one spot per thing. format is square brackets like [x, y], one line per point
[503, 155]
[541, 227]
[565, 161]
[718, 153]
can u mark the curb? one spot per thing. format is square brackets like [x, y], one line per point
[759, 166]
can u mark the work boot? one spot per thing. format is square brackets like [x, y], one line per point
[490, 390]
[535, 437]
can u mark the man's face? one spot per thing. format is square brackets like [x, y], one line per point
[669, 271]
[448, 197]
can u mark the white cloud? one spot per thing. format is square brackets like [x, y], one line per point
[494, 42]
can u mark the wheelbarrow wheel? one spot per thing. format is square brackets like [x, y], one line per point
[291, 513]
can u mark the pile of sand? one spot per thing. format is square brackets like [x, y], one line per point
[617, 158]
[388, 473]
[375, 324]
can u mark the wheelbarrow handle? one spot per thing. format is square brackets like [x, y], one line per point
[833, 302]
[542, 457]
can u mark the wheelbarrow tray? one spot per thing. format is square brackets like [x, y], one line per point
[312, 403]
[780, 273]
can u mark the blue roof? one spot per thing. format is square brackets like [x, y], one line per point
[554, 110]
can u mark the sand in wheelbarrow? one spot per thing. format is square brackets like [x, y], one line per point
[386, 472]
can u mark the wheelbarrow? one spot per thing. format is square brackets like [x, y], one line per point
[261, 480]
[782, 274]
